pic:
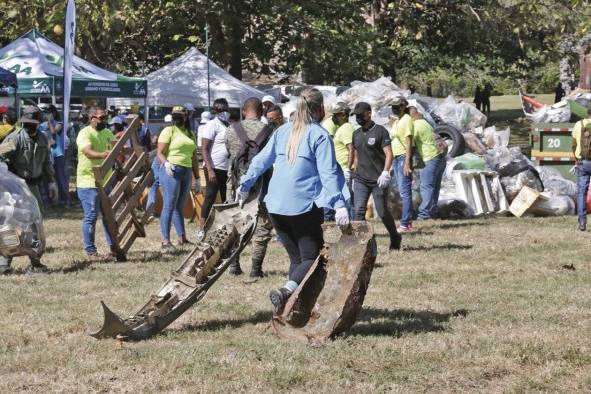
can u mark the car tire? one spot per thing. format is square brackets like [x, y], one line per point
[453, 137]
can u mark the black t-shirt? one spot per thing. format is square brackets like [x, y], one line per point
[369, 145]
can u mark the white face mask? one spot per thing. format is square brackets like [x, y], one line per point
[224, 116]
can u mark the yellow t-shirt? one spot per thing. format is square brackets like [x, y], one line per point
[181, 146]
[5, 129]
[401, 129]
[423, 140]
[329, 125]
[99, 141]
[342, 138]
[576, 133]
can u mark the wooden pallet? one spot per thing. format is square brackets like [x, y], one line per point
[120, 194]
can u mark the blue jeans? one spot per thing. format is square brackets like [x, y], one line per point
[90, 202]
[175, 190]
[61, 178]
[431, 177]
[405, 190]
[583, 172]
[154, 188]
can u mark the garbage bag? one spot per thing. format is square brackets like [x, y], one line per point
[474, 144]
[552, 114]
[462, 115]
[514, 184]
[494, 138]
[555, 183]
[551, 205]
[21, 223]
[453, 208]
[470, 161]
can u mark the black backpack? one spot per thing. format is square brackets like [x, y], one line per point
[248, 148]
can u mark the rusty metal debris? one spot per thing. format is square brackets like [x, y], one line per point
[331, 295]
[228, 230]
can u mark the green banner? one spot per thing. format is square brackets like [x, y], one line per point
[53, 86]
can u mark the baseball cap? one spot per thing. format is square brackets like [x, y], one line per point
[116, 120]
[360, 108]
[205, 117]
[188, 107]
[268, 98]
[177, 109]
[30, 114]
[398, 101]
[340, 107]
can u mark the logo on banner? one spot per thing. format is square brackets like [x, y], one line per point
[139, 89]
[40, 87]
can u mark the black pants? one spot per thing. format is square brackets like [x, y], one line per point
[301, 235]
[362, 193]
[212, 189]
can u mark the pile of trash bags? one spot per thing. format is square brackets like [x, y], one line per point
[21, 223]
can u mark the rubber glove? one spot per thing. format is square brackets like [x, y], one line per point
[347, 173]
[169, 168]
[342, 216]
[384, 180]
[241, 196]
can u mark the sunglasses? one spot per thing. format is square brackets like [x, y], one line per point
[101, 118]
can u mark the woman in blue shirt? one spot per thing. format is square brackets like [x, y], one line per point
[306, 178]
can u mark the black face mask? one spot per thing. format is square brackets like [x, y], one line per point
[360, 119]
[31, 128]
[101, 126]
[179, 122]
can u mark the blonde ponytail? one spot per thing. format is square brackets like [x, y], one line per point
[310, 100]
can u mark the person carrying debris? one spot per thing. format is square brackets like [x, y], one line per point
[28, 157]
[245, 140]
[215, 159]
[582, 150]
[402, 148]
[177, 153]
[371, 147]
[306, 178]
[433, 152]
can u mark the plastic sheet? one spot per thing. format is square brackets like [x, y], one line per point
[474, 144]
[378, 93]
[550, 205]
[556, 184]
[495, 138]
[462, 115]
[552, 114]
[21, 224]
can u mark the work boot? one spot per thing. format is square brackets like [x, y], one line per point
[278, 298]
[583, 226]
[235, 268]
[36, 268]
[257, 270]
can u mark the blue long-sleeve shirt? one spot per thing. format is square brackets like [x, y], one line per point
[314, 178]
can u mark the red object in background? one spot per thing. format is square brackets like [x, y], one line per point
[588, 202]
[3, 109]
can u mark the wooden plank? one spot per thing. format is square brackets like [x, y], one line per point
[134, 199]
[108, 163]
[118, 193]
[108, 217]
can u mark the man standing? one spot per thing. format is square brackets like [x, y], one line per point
[330, 124]
[268, 103]
[94, 143]
[245, 140]
[215, 159]
[275, 117]
[371, 144]
[29, 160]
[582, 150]
[402, 143]
[343, 144]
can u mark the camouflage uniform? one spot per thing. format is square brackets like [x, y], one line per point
[264, 228]
[29, 161]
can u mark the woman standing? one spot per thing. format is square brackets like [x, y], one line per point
[178, 156]
[306, 178]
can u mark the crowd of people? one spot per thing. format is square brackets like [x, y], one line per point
[314, 168]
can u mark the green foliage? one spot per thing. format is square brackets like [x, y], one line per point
[451, 45]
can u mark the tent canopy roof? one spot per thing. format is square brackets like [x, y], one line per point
[184, 80]
[7, 78]
[38, 64]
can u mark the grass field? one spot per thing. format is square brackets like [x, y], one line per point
[484, 305]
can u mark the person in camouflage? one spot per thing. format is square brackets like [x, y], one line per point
[253, 130]
[29, 160]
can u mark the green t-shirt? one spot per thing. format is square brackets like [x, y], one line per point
[329, 125]
[401, 129]
[99, 141]
[423, 139]
[577, 129]
[181, 146]
[342, 138]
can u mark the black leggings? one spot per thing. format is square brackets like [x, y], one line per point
[301, 235]
[212, 189]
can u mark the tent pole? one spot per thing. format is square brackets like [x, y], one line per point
[207, 55]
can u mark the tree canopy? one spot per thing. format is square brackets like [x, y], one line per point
[423, 42]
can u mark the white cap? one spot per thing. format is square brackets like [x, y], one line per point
[268, 98]
[205, 117]
[168, 118]
[188, 107]
[412, 103]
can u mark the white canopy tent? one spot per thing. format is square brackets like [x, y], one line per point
[185, 81]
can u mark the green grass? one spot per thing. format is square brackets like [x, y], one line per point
[481, 305]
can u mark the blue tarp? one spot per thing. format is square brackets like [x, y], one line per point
[7, 78]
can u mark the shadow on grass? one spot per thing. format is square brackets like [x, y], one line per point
[412, 233]
[448, 246]
[398, 322]
[448, 226]
[216, 325]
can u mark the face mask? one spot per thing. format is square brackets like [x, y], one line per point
[224, 116]
[101, 126]
[179, 122]
[360, 120]
[31, 128]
